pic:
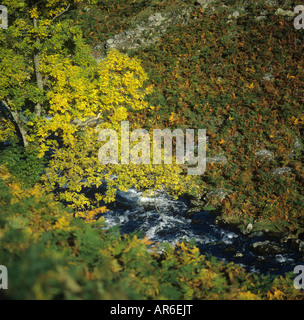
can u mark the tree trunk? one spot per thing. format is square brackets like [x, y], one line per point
[19, 123]
[23, 131]
[38, 107]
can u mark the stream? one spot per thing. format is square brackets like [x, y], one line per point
[162, 219]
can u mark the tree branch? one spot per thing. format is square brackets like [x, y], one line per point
[59, 14]
[18, 121]
[38, 74]
[92, 122]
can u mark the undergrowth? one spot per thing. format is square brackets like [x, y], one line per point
[52, 255]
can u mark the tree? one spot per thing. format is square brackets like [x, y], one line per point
[58, 97]
[35, 31]
[82, 182]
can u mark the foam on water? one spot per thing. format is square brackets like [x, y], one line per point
[162, 219]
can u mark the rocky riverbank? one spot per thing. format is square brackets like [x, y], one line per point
[288, 241]
[214, 66]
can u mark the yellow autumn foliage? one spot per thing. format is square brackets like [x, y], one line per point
[107, 90]
[7, 130]
[41, 219]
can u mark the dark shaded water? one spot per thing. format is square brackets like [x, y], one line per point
[162, 219]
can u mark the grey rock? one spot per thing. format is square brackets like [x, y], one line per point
[298, 144]
[197, 203]
[234, 15]
[244, 231]
[272, 3]
[249, 227]
[147, 33]
[110, 41]
[204, 3]
[268, 77]
[281, 171]
[266, 248]
[215, 197]
[294, 241]
[264, 12]
[285, 13]
[220, 221]
[192, 211]
[260, 18]
[295, 244]
[196, 196]
[238, 255]
[264, 154]
[196, 206]
[301, 246]
[156, 19]
[248, 230]
[288, 239]
[217, 159]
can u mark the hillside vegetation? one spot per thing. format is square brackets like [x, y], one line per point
[234, 68]
[52, 255]
[71, 68]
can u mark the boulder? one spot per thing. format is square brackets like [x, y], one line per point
[221, 222]
[268, 77]
[197, 203]
[217, 159]
[238, 255]
[204, 3]
[266, 248]
[192, 211]
[285, 13]
[249, 227]
[216, 197]
[147, 32]
[247, 230]
[298, 144]
[281, 171]
[294, 243]
[264, 154]
[234, 15]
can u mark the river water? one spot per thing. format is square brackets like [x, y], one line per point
[162, 219]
